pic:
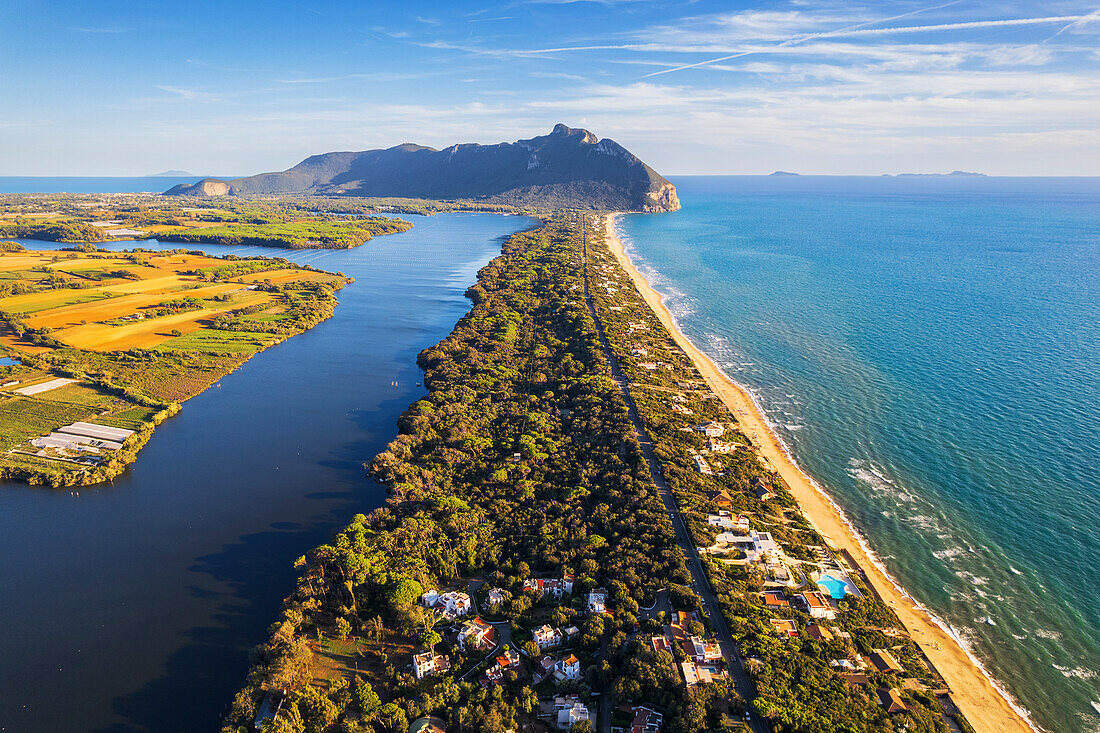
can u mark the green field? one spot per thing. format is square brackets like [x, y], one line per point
[62, 298]
[23, 418]
[225, 342]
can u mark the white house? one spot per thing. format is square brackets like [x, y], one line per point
[711, 429]
[764, 545]
[476, 634]
[547, 636]
[496, 597]
[570, 711]
[568, 668]
[451, 604]
[816, 605]
[727, 520]
[701, 464]
[597, 600]
[425, 664]
[699, 650]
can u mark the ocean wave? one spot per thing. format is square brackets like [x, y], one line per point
[966, 644]
[1081, 673]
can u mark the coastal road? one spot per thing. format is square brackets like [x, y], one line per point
[699, 582]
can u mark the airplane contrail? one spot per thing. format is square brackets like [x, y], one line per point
[862, 30]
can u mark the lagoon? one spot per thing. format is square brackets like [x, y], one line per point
[131, 607]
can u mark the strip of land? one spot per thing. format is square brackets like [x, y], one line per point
[986, 708]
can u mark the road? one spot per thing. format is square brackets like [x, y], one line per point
[699, 582]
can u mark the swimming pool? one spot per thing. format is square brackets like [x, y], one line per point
[833, 587]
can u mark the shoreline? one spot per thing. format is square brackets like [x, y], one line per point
[986, 706]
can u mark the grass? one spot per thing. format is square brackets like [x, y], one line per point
[216, 341]
[35, 302]
[23, 418]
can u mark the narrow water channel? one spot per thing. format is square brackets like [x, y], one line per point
[131, 607]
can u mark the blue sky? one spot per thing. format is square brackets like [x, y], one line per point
[816, 86]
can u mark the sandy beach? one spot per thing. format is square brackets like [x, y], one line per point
[982, 704]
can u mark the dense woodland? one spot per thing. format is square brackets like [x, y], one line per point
[521, 460]
[523, 374]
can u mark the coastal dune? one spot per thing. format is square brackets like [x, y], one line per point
[985, 707]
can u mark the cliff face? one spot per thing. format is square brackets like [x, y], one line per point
[567, 168]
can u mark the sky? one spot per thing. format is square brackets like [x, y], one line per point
[812, 86]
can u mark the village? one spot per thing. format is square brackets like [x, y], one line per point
[553, 657]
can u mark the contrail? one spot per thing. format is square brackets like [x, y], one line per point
[861, 30]
[1094, 15]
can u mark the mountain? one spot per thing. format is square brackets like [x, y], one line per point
[783, 173]
[170, 174]
[567, 168]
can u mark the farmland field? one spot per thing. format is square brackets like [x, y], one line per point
[139, 332]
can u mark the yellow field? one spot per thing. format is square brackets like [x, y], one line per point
[86, 325]
[105, 310]
[9, 261]
[29, 302]
[145, 334]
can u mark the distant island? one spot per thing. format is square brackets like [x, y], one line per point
[784, 173]
[568, 168]
[952, 174]
[170, 174]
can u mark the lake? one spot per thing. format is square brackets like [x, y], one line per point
[131, 606]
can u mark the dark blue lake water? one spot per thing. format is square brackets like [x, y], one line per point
[131, 607]
[929, 348]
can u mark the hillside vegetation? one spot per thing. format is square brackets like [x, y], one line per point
[566, 168]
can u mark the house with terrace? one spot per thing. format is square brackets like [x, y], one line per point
[711, 429]
[450, 605]
[568, 668]
[476, 634]
[815, 604]
[427, 664]
[547, 637]
[726, 520]
[702, 651]
[597, 600]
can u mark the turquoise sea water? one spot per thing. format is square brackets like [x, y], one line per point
[929, 350]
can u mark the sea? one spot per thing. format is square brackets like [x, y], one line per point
[90, 184]
[130, 607]
[928, 348]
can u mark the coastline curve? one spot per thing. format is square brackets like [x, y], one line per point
[972, 687]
